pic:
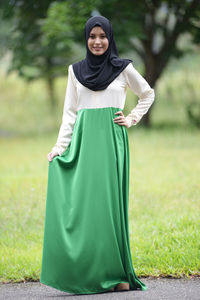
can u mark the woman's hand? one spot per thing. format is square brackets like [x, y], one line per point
[121, 120]
[51, 155]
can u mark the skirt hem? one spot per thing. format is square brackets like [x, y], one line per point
[89, 292]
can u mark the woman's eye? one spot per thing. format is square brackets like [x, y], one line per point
[93, 37]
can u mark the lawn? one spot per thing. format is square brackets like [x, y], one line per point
[164, 210]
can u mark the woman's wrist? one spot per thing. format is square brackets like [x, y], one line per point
[130, 121]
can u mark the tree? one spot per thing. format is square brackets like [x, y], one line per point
[45, 34]
[35, 56]
[151, 28]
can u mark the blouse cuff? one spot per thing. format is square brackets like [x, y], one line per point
[60, 150]
[132, 119]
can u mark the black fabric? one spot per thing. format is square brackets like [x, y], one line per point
[96, 72]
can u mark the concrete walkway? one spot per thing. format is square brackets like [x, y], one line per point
[158, 289]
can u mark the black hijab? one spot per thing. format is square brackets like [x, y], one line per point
[96, 72]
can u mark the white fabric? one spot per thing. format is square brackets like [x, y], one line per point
[80, 97]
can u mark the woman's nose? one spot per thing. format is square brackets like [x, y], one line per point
[97, 40]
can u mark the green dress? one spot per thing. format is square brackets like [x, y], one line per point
[86, 247]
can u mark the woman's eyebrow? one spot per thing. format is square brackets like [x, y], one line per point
[95, 34]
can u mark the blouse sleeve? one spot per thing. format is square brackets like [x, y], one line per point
[69, 115]
[143, 90]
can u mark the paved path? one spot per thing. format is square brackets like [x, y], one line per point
[158, 289]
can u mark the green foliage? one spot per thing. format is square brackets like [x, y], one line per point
[46, 34]
[60, 31]
[5, 32]
[80, 12]
[67, 19]
[36, 55]
[193, 111]
[180, 85]
[47, 29]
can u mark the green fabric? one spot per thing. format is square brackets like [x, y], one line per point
[86, 246]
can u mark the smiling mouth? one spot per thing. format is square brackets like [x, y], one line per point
[97, 48]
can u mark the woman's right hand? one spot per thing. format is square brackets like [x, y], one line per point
[51, 155]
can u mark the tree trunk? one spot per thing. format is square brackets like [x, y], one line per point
[146, 121]
[154, 66]
[150, 76]
[50, 88]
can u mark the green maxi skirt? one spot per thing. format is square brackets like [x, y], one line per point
[86, 246]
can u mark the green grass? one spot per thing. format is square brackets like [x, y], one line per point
[164, 203]
[164, 177]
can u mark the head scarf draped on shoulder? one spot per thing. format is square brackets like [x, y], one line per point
[96, 72]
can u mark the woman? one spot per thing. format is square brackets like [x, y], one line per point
[86, 238]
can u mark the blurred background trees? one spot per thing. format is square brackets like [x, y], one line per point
[46, 36]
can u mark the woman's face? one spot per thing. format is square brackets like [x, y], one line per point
[97, 41]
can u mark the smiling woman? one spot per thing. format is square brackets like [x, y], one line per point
[97, 42]
[86, 238]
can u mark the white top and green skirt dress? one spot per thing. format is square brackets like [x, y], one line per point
[86, 247]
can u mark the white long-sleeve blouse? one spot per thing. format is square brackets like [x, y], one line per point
[80, 97]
